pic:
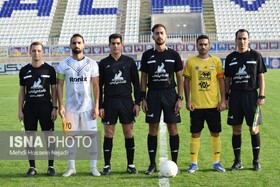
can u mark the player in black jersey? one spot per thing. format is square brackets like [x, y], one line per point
[244, 72]
[118, 74]
[159, 66]
[36, 102]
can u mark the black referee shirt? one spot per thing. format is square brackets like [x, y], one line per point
[160, 67]
[244, 69]
[37, 82]
[117, 77]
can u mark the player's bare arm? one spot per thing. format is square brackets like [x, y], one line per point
[54, 102]
[20, 102]
[227, 89]
[261, 100]
[96, 92]
[187, 90]
[222, 105]
[180, 85]
[60, 84]
[143, 86]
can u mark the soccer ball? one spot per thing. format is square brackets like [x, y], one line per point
[168, 169]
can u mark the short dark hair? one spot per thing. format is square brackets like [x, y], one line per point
[36, 43]
[115, 36]
[77, 35]
[242, 30]
[157, 26]
[203, 36]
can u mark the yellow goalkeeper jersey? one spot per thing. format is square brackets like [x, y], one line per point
[204, 77]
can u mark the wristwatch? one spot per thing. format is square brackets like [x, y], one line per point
[261, 97]
[180, 97]
[55, 107]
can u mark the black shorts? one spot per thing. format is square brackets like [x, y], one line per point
[242, 104]
[212, 117]
[162, 100]
[118, 107]
[34, 112]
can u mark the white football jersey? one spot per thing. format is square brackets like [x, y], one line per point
[77, 75]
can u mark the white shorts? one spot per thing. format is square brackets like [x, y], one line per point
[81, 121]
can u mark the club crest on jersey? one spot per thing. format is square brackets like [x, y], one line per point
[249, 5]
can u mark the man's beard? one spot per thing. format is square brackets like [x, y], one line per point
[161, 42]
[203, 52]
[76, 51]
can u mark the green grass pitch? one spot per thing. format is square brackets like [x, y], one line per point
[11, 172]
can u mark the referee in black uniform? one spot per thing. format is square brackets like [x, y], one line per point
[36, 102]
[244, 72]
[159, 66]
[118, 77]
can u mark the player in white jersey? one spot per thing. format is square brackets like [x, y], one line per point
[81, 74]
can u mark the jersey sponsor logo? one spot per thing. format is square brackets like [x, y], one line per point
[204, 75]
[118, 76]
[241, 71]
[161, 69]
[118, 79]
[79, 79]
[37, 84]
[204, 86]
[241, 76]
[37, 89]
[160, 74]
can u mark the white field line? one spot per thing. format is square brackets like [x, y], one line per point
[163, 155]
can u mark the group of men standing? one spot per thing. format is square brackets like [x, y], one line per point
[118, 93]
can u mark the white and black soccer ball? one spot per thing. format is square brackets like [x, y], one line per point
[168, 169]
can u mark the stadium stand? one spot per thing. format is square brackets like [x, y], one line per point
[175, 6]
[260, 17]
[132, 21]
[54, 21]
[95, 24]
[21, 23]
[24, 21]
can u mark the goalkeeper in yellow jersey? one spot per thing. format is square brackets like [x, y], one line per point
[205, 99]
